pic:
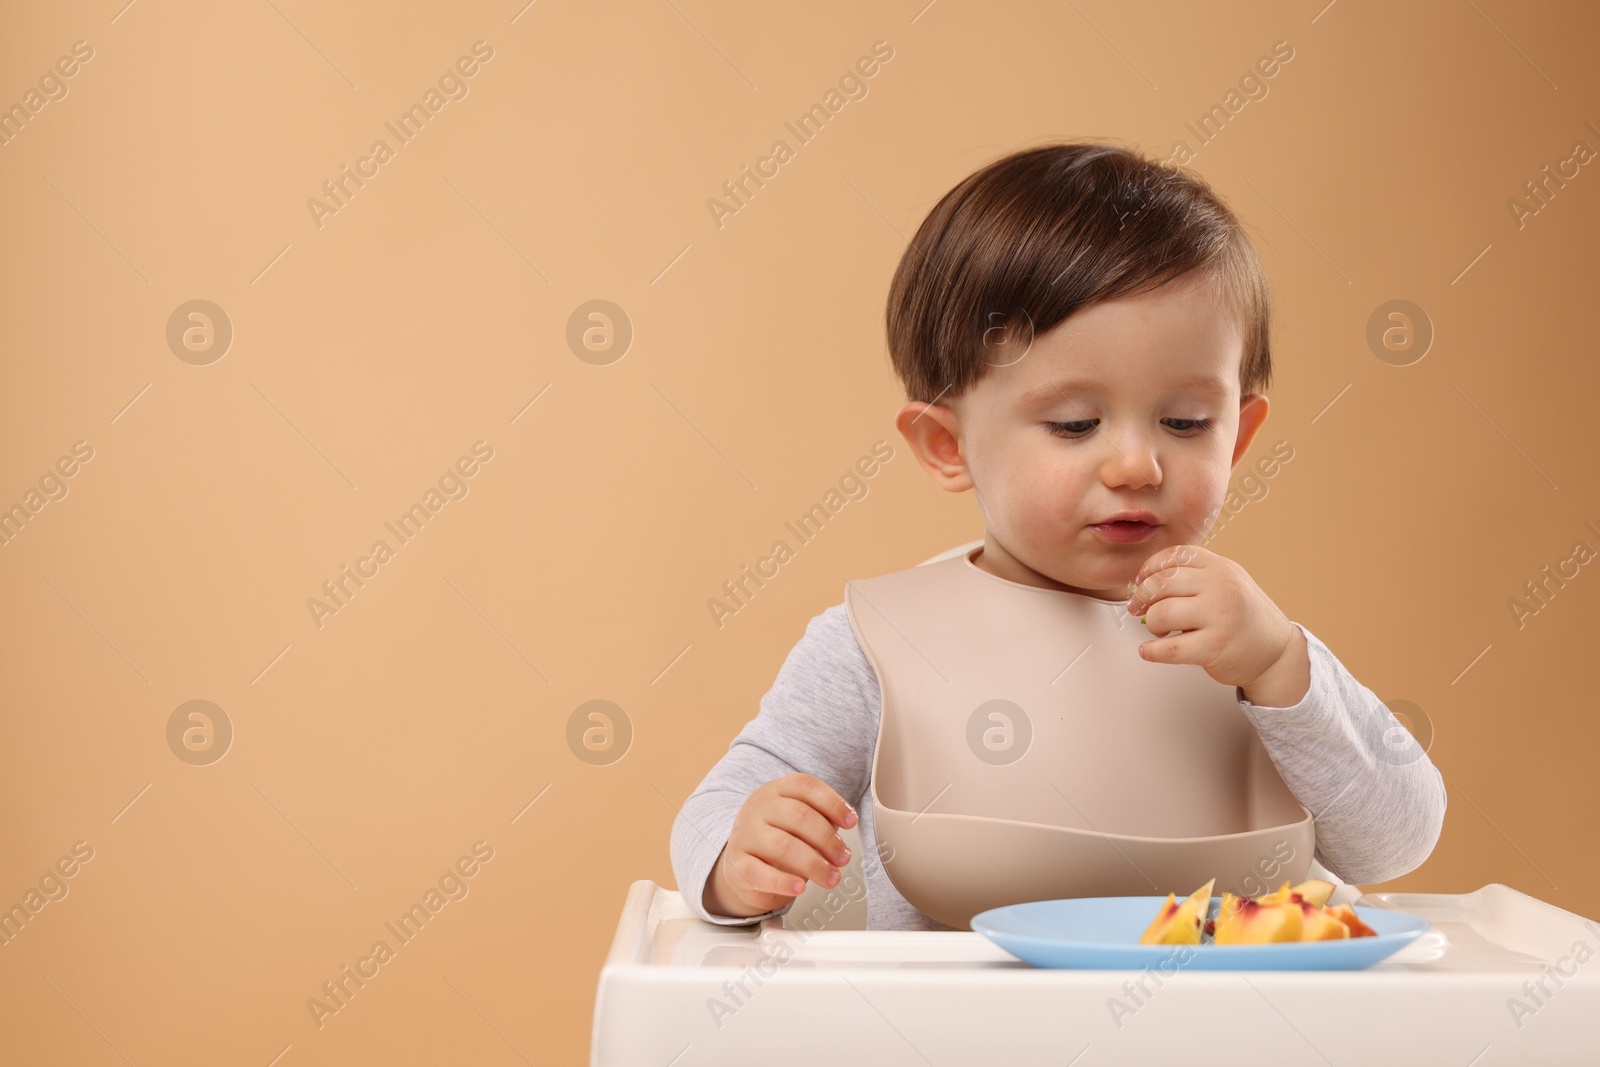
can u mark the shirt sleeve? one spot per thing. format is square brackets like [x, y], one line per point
[1377, 800]
[816, 718]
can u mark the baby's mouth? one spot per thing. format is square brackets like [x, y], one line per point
[1124, 531]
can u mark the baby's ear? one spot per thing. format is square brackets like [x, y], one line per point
[1252, 414]
[933, 432]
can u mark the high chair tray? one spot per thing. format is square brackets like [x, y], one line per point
[1501, 978]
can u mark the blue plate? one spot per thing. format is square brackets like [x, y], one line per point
[1103, 933]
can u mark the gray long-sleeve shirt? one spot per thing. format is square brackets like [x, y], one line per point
[1378, 807]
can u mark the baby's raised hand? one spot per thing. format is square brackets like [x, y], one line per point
[783, 835]
[1229, 626]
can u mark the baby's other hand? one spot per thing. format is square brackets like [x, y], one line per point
[783, 835]
[1228, 625]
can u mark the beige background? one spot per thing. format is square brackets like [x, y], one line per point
[432, 310]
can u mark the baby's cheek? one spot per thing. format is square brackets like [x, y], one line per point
[1203, 499]
[1025, 487]
[1052, 500]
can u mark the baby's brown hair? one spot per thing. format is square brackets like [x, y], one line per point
[1029, 239]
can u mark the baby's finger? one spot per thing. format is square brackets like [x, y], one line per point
[789, 853]
[1161, 585]
[1173, 615]
[756, 875]
[1168, 557]
[811, 826]
[1183, 648]
[820, 795]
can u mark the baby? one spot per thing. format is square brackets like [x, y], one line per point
[1083, 335]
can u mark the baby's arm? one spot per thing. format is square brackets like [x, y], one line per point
[1378, 811]
[815, 719]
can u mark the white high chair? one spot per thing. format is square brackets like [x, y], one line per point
[1440, 1000]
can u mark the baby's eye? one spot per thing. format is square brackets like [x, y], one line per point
[1072, 429]
[1076, 429]
[1189, 427]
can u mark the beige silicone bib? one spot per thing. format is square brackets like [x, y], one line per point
[1026, 752]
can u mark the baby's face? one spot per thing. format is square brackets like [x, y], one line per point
[1130, 405]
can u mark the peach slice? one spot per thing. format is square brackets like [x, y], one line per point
[1289, 913]
[1258, 923]
[1225, 911]
[1313, 891]
[1347, 915]
[1281, 895]
[1317, 923]
[1179, 924]
[1158, 927]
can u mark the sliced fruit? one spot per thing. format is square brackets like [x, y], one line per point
[1225, 911]
[1179, 924]
[1317, 923]
[1259, 923]
[1277, 896]
[1313, 891]
[1289, 913]
[1347, 915]
[1161, 923]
